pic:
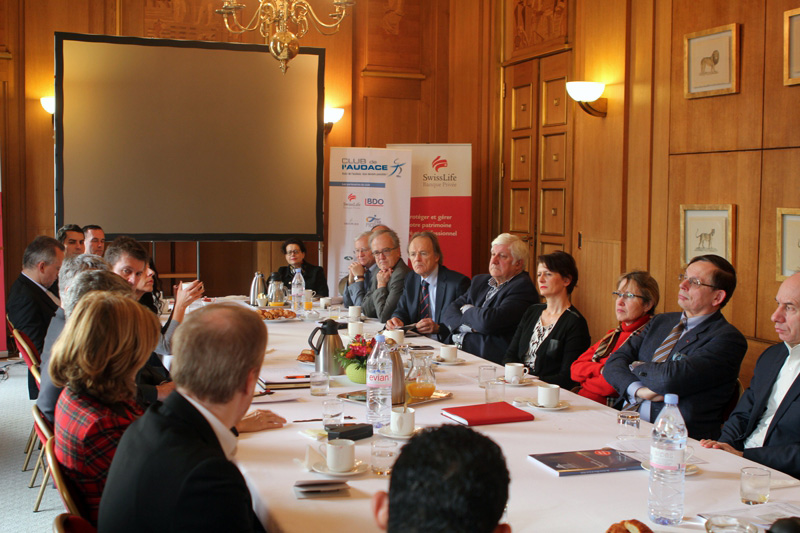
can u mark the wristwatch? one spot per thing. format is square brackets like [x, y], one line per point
[357, 278]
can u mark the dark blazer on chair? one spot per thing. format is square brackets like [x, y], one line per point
[449, 286]
[702, 369]
[565, 343]
[170, 474]
[381, 302]
[494, 325]
[313, 276]
[781, 449]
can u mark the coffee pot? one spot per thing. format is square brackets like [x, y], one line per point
[325, 346]
[277, 293]
[257, 287]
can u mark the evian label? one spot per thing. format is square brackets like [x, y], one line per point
[379, 379]
[666, 459]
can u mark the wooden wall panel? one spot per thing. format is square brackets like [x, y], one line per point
[779, 188]
[720, 178]
[780, 128]
[727, 122]
[391, 120]
[592, 296]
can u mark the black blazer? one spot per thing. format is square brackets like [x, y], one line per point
[30, 309]
[494, 325]
[170, 474]
[449, 286]
[781, 449]
[554, 357]
[313, 275]
[702, 369]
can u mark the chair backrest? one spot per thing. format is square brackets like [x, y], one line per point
[27, 349]
[43, 427]
[734, 399]
[69, 523]
[66, 488]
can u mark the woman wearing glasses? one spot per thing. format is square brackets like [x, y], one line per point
[635, 301]
[551, 336]
[313, 275]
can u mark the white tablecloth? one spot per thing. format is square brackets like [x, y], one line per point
[538, 499]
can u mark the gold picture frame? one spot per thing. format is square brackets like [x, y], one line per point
[791, 47]
[788, 242]
[708, 229]
[711, 62]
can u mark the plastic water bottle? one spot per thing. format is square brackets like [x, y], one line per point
[298, 288]
[379, 385]
[667, 466]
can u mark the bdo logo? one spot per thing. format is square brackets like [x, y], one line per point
[373, 201]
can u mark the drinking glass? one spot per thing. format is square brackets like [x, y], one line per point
[754, 488]
[384, 453]
[335, 312]
[628, 425]
[332, 412]
[495, 390]
[318, 383]
[486, 373]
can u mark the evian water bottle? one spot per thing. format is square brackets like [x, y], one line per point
[379, 385]
[298, 287]
[667, 466]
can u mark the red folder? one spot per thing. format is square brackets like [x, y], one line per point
[487, 413]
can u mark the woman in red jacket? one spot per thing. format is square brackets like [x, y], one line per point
[635, 299]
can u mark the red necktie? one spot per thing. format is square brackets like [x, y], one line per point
[424, 303]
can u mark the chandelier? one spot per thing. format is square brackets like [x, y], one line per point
[272, 19]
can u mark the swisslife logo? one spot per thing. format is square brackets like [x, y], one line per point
[351, 197]
[439, 179]
[438, 163]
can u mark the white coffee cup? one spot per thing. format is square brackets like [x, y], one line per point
[354, 312]
[397, 335]
[448, 353]
[402, 421]
[308, 294]
[548, 395]
[355, 328]
[515, 372]
[324, 302]
[340, 455]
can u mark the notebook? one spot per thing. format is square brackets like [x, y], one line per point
[487, 413]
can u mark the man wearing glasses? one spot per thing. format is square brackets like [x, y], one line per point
[354, 285]
[386, 287]
[695, 354]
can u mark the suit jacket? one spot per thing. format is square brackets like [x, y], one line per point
[30, 309]
[568, 339]
[493, 325]
[381, 302]
[449, 286]
[781, 449]
[702, 369]
[170, 474]
[313, 276]
[48, 392]
[353, 293]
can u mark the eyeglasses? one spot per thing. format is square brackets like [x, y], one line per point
[385, 251]
[362, 250]
[293, 252]
[694, 281]
[627, 295]
[423, 255]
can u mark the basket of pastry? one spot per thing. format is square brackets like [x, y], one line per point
[307, 356]
[276, 314]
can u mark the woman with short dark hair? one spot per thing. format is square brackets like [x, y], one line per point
[552, 335]
[314, 276]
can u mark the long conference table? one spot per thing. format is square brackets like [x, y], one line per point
[539, 500]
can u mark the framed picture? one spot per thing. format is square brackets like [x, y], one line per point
[791, 47]
[788, 249]
[707, 229]
[711, 62]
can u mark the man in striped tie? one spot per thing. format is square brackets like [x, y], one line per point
[429, 290]
[695, 354]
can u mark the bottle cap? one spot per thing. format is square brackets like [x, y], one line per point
[380, 338]
[671, 399]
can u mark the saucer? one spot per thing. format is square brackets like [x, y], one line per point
[524, 383]
[322, 468]
[387, 432]
[691, 469]
[458, 361]
[563, 404]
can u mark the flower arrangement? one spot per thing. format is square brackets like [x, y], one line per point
[355, 353]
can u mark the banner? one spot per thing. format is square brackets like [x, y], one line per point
[441, 198]
[368, 186]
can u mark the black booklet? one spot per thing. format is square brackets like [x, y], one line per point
[586, 461]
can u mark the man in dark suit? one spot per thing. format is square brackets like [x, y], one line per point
[172, 470]
[695, 354]
[30, 305]
[765, 426]
[388, 284]
[429, 290]
[359, 276]
[483, 320]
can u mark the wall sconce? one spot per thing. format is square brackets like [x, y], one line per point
[48, 103]
[587, 94]
[332, 116]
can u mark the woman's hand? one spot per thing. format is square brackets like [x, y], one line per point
[185, 297]
[258, 420]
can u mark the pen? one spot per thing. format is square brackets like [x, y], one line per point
[297, 377]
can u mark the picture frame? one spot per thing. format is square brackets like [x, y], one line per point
[788, 242]
[791, 47]
[708, 229]
[711, 62]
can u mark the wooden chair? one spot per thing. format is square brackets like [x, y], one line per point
[32, 360]
[70, 496]
[737, 393]
[68, 523]
[44, 430]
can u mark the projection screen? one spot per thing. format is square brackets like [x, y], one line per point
[180, 140]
